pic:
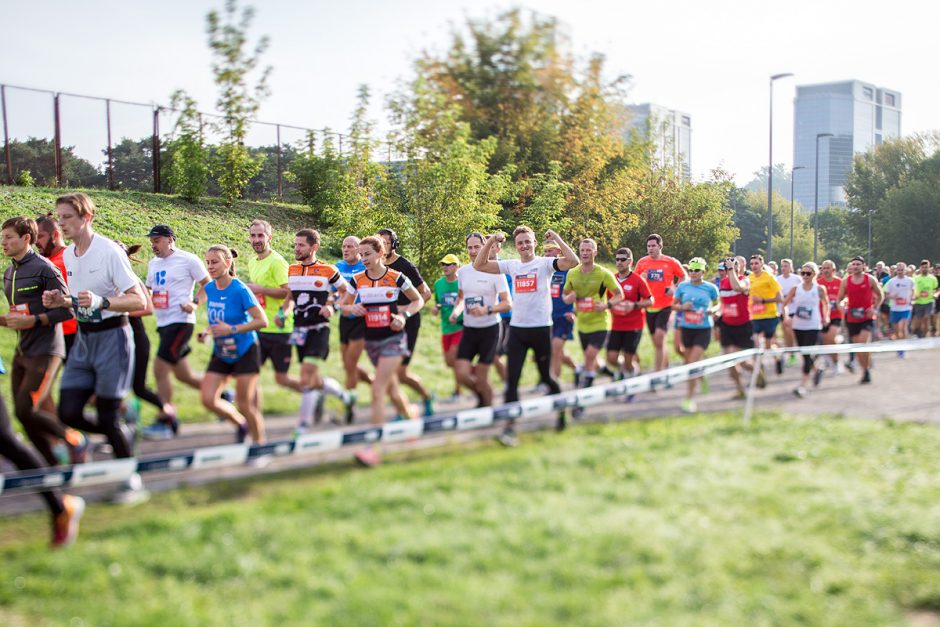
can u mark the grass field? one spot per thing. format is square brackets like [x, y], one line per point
[693, 521]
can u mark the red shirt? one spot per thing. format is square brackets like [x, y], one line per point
[70, 326]
[660, 275]
[860, 300]
[832, 291]
[734, 305]
[635, 289]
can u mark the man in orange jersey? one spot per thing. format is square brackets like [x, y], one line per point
[662, 273]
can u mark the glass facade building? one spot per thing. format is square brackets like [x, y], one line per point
[670, 133]
[859, 115]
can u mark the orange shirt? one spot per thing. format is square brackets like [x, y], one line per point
[660, 275]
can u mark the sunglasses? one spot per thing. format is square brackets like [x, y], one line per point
[445, 265]
[804, 273]
[696, 270]
[619, 259]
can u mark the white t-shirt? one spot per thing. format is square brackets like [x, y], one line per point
[171, 279]
[532, 290]
[104, 270]
[480, 288]
[806, 313]
[787, 284]
[901, 292]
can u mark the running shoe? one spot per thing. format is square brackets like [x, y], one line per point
[577, 413]
[761, 378]
[577, 377]
[165, 428]
[850, 366]
[241, 433]
[866, 377]
[65, 525]
[508, 438]
[800, 392]
[562, 422]
[817, 377]
[78, 446]
[369, 457]
[606, 372]
[350, 404]
[779, 365]
[704, 385]
[791, 360]
[131, 492]
[429, 406]
[261, 461]
[740, 395]
[298, 431]
[688, 406]
[902, 354]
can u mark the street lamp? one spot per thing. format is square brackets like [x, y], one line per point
[816, 198]
[794, 169]
[770, 170]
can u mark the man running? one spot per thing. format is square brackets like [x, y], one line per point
[446, 289]
[864, 297]
[925, 290]
[51, 245]
[352, 329]
[736, 330]
[695, 300]
[40, 347]
[900, 290]
[766, 299]
[562, 320]
[172, 275]
[587, 287]
[103, 289]
[310, 281]
[481, 298]
[661, 273]
[627, 324]
[829, 280]
[413, 324]
[530, 327]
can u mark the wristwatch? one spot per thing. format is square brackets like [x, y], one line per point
[105, 302]
[407, 314]
[489, 309]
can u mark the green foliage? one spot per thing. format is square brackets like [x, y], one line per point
[37, 155]
[133, 164]
[189, 170]
[234, 165]
[549, 195]
[323, 182]
[838, 241]
[750, 217]
[25, 179]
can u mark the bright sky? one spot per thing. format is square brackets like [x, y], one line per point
[711, 59]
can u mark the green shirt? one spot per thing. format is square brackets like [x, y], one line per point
[270, 272]
[589, 289]
[445, 294]
[924, 283]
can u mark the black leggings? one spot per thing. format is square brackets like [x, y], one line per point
[807, 338]
[72, 412]
[32, 379]
[24, 458]
[141, 361]
[521, 339]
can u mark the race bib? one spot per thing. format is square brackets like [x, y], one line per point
[379, 317]
[226, 347]
[924, 293]
[473, 301]
[298, 336]
[758, 308]
[161, 300]
[586, 304]
[21, 309]
[449, 299]
[85, 314]
[556, 290]
[695, 316]
[833, 304]
[526, 283]
[857, 312]
[621, 308]
[655, 276]
[804, 313]
[900, 300]
[261, 300]
[729, 309]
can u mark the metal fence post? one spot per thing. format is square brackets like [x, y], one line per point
[6, 137]
[57, 155]
[156, 150]
[107, 108]
[280, 188]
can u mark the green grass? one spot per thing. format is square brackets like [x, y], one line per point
[696, 521]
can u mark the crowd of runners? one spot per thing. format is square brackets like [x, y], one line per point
[79, 309]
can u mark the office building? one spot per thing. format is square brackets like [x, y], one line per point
[670, 133]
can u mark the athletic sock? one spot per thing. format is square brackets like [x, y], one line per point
[308, 404]
[331, 386]
[588, 378]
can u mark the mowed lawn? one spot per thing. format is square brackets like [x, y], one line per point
[675, 522]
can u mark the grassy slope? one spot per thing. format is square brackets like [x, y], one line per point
[683, 521]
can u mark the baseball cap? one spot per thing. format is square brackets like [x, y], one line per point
[450, 258]
[161, 230]
[697, 263]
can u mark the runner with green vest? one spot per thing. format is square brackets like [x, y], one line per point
[446, 291]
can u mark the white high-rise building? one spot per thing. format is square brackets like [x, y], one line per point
[858, 114]
[670, 132]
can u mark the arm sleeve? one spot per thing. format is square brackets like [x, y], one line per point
[52, 280]
[281, 272]
[506, 266]
[414, 275]
[403, 282]
[197, 271]
[644, 289]
[248, 298]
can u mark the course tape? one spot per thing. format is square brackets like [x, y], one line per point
[117, 470]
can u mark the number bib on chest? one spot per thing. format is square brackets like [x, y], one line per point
[298, 336]
[656, 276]
[857, 312]
[586, 304]
[556, 290]
[758, 308]
[378, 317]
[473, 301]
[22, 309]
[226, 347]
[695, 316]
[804, 313]
[729, 309]
[526, 283]
[161, 300]
[85, 314]
[900, 300]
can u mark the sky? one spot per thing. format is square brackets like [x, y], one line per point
[711, 59]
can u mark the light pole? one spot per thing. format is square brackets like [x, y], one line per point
[770, 170]
[794, 169]
[816, 198]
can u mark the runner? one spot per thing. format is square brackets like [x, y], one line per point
[900, 291]
[562, 321]
[267, 280]
[378, 288]
[446, 290]
[530, 327]
[765, 300]
[103, 289]
[809, 303]
[172, 275]
[737, 331]
[695, 300]
[481, 298]
[627, 324]
[588, 286]
[51, 245]
[504, 319]
[311, 282]
[66, 509]
[925, 292]
[40, 347]
[352, 329]
[830, 332]
[413, 324]
[884, 274]
[661, 273]
[864, 297]
[788, 279]
[936, 306]
[234, 316]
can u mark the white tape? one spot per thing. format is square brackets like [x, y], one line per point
[591, 396]
[402, 430]
[538, 406]
[109, 471]
[217, 456]
[474, 418]
[2, 481]
[318, 442]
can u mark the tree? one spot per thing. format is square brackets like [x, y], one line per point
[234, 165]
[189, 169]
[132, 161]
[37, 155]
[782, 176]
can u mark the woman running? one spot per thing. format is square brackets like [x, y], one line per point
[809, 303]
[695, 300]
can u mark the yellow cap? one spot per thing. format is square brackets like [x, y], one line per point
[449, 259]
